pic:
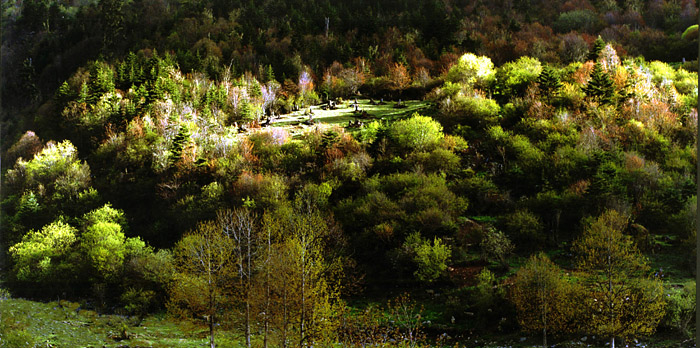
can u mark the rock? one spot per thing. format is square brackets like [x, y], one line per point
[584, 338]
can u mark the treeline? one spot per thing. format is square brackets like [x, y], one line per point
[45, 41]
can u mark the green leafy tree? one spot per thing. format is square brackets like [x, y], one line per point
[203, 270]
[471, 70]
[681, 305]
[415, 133]
[53, 174]
[620, 301]
[495, 246]
[431, 259]
[102, 242]
[543, 299]
[240, 226]
[513, 78]
[600, 86]
[43, 256]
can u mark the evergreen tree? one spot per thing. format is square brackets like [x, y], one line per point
[179, 143]
[549, 83]
[600, 87]
[598, 46]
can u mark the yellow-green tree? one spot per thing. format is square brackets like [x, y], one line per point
[301, 276]
[543, 298]
[621, 301]
[240, 227]
[203, 263]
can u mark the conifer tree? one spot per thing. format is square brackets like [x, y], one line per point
[598, 46]
[600, 86]
[179, 143]
[549, 83]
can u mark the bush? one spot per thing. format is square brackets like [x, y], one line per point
[416, 133]
[680, 308]
[430, 259]
[477, 112]
[495, 246]
[525, 228]
[513, 78]
[471, 70]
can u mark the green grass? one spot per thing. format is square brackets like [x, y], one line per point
[345, 112]
[26, 323]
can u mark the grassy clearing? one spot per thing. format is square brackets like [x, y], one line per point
[26, 323]
[345, 113]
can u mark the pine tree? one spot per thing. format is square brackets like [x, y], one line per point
[179, 143]
[598, 46]
[549, 83]
[269, 74]
[600, 87]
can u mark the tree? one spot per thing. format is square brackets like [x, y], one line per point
[240, 227]
[102, 242]
[42, 256]
[203, 264]
[430, 259]
[496, 246]
[542, 297]
[304, 276]
[416, 133]
[513, 78]
[180, 143]
[600, 86]
[620, 301]
[549, 83]
[598, 46]
[471, 70]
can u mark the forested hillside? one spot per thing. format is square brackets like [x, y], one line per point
[317, 173]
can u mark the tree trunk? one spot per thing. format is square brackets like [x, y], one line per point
[612, 342]
[211, 331]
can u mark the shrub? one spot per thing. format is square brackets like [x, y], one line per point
[525, 228]
[430, 259]
[416, 133]
[471, 70]
[680, 308]
[513, 78]
[495, 246]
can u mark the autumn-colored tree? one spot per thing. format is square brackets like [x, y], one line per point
[399, 77]
[621, 302]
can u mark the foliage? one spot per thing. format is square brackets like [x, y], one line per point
[495, 246]
[680, 308]
[430, 259]
[471, 70]
[615, 286]
[43, 255]
[513, 78]
[543, 298]
[600, 87]
[416, 133]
